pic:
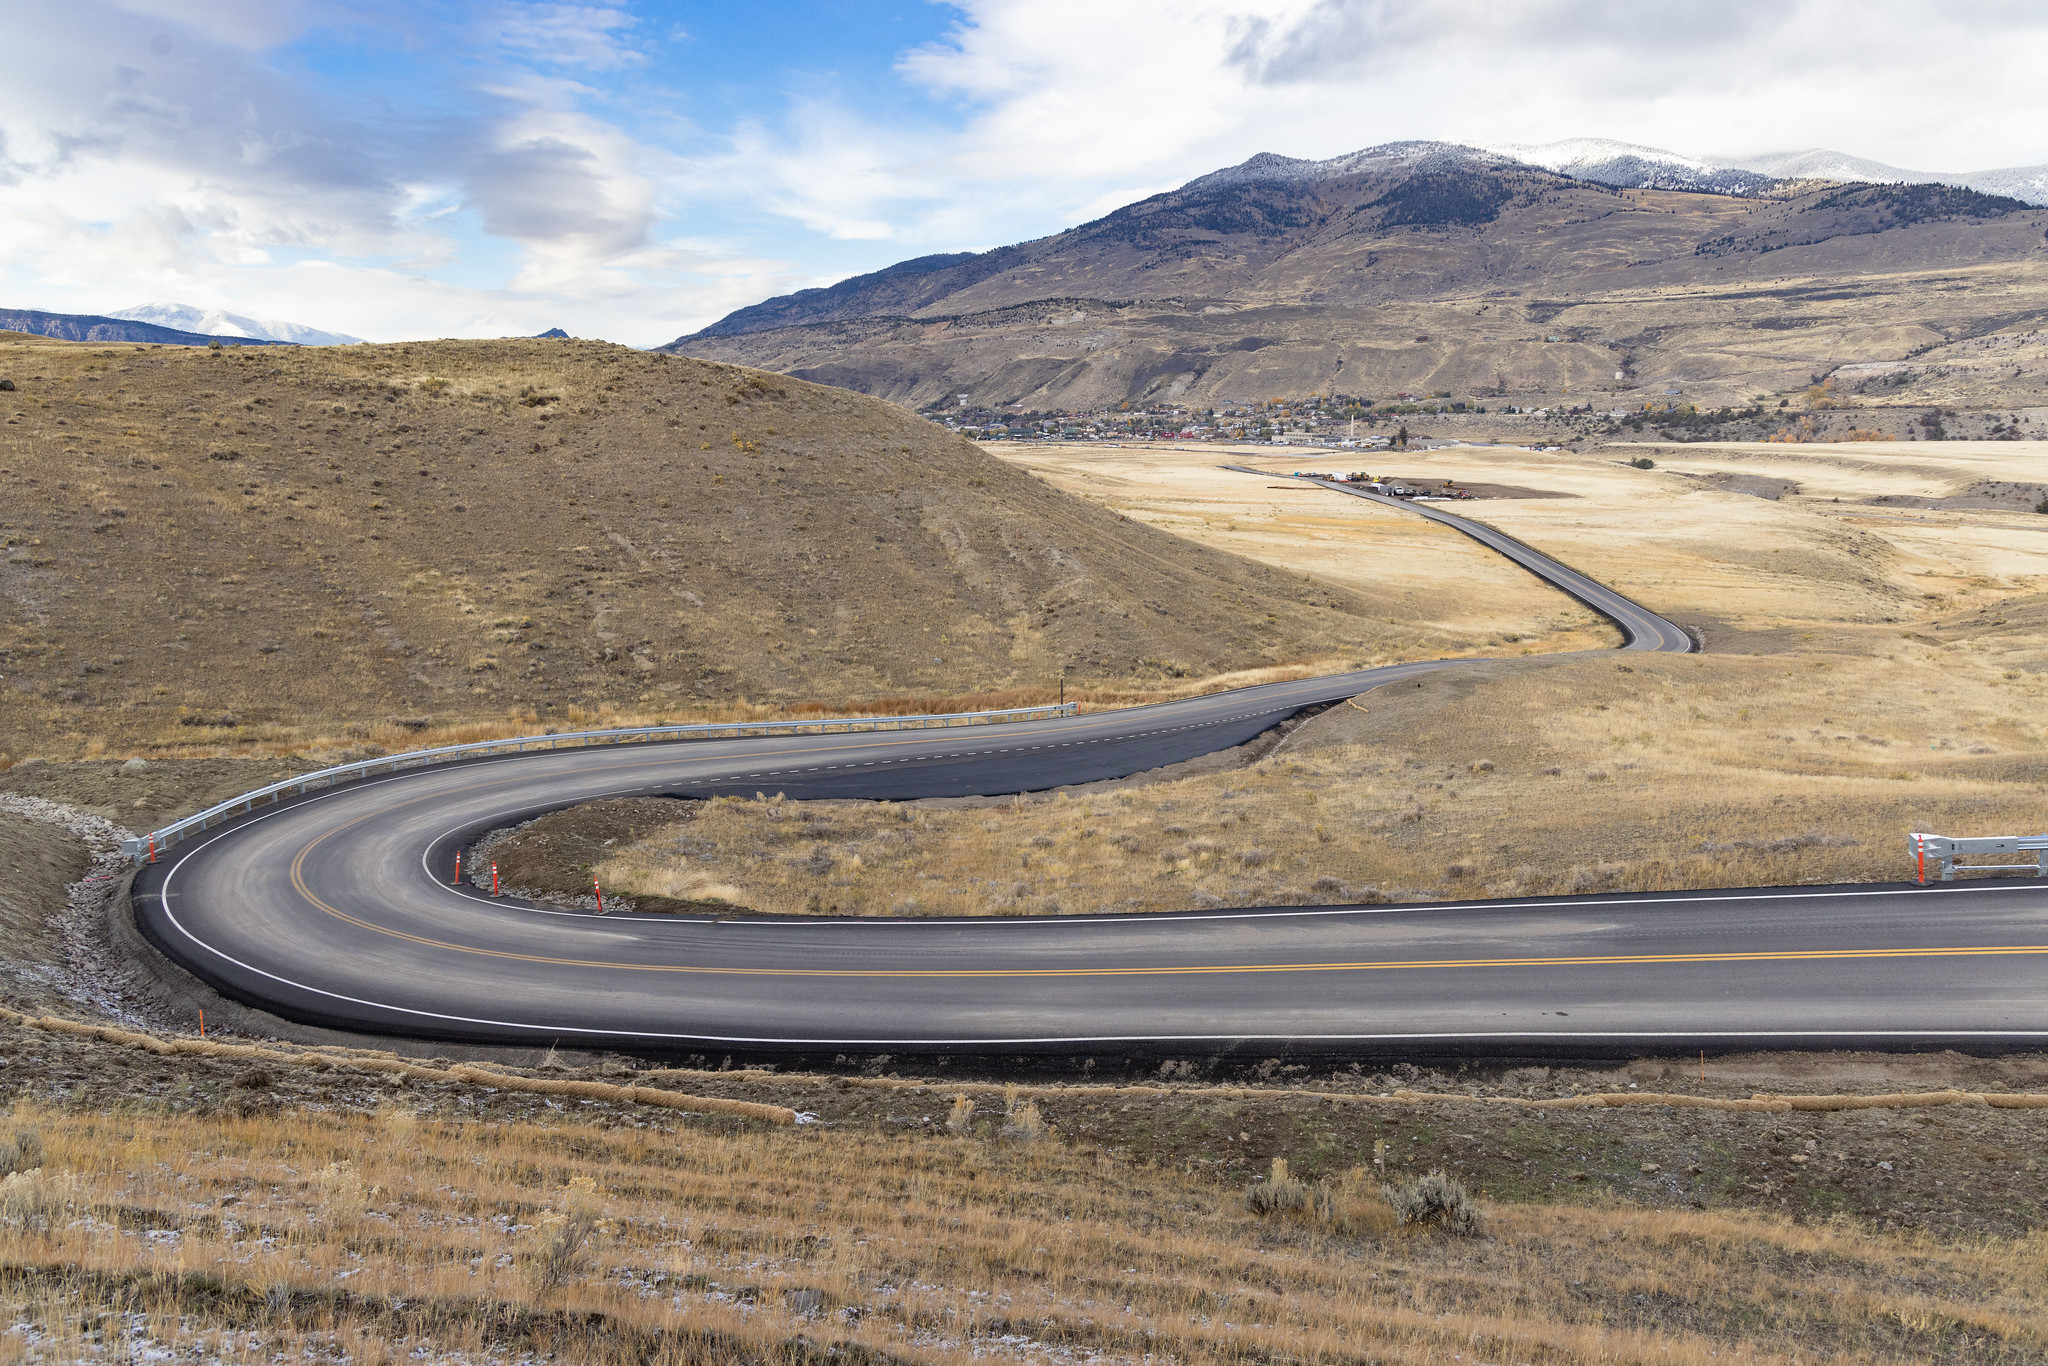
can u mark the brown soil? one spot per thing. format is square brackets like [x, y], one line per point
[1754, 486]
[2005, 495]
[208, 548]
[37, 862]
[553, 856]
[162, 791]
[1434, 483]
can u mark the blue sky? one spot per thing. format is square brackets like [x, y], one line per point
[636, 170]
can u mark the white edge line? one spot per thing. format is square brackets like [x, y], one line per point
[1012, 1042]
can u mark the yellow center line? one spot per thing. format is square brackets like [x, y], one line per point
[1382, 965]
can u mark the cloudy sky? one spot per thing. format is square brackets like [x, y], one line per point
[404, 168]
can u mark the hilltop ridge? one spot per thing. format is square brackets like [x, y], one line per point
[1423, 267]
[212, 545]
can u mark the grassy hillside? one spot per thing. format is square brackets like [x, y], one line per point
[206, 545]
[219, 1209]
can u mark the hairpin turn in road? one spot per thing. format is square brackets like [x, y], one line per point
[337, 909]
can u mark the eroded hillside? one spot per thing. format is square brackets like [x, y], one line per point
[1426, 269]
[228, 544]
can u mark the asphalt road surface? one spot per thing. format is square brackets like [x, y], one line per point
[338, 908]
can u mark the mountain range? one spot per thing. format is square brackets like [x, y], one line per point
[97, 327]
[214, 322]
[1638, 167]
[1426, 268]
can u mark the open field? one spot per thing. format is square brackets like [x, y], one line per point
[205, 1205]
[1870, 669]
[1455, 590]
[283, 549]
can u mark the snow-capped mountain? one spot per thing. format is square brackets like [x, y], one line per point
[1638, 167]
[1412, 156]
[2027, 183]
[1630, 164]
[1570, 152]
[214, 322]
[1819, 163]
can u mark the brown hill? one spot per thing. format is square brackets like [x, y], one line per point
[203, 545]
[1423, 268]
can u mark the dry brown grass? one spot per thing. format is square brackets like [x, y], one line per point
[241, 1238]
[1660, 772]
[208, 549]
[1868, 673]
[1443, 593]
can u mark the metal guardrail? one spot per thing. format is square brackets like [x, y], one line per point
[1944, 851]
[146, 847]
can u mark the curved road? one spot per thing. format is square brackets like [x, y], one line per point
[337, 909]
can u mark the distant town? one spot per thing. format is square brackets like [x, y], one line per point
[1337, 420]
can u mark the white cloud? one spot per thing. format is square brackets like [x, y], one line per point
[1070, 107]
[150, 150]
[592, 36]
[1951, 86]
[160, 148]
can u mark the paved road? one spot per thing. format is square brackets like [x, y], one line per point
[337, 908]
[1642, 628]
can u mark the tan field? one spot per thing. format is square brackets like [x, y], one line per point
[401, 1236]
[1871, 670]
[1685, 540]
[1445, 587]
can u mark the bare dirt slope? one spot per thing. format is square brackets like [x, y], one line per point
[207, 545]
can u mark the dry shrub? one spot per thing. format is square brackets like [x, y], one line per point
[1435, 1201]
[33, 1199]
[1284, 1195]
[23, 1151]
[562, 1236]
[1353, 1205]
[961, 1119]
[1021, 1119]
[342, 1197]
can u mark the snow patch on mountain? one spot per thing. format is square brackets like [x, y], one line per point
[2026, 183]
[1564, 155]
[1410, 156]
[214, 322]
[1626, 165]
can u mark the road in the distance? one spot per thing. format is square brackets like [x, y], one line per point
[337, 909]
[1642, 628]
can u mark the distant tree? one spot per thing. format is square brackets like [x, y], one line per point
[1401, 437]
